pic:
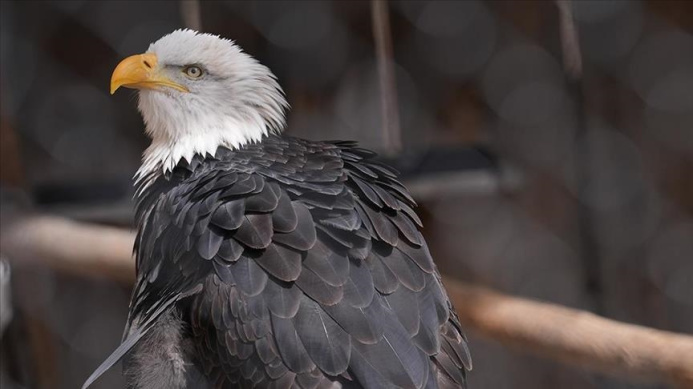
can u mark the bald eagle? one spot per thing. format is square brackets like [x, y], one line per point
[267, 261]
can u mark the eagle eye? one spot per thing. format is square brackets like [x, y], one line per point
[192, 71]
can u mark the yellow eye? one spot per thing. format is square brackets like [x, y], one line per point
[193, 71]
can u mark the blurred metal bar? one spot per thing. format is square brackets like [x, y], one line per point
[392, 136]
[571, 336]
[190, 11]
[5, 295]
[573, 68]
[570, 41]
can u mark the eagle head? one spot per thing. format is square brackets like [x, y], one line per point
[198, 92]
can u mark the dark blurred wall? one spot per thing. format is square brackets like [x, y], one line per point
[599, 215]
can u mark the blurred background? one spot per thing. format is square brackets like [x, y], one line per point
[572, 191]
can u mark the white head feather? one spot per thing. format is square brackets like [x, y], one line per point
[237, 101]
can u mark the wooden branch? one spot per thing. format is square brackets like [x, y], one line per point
[575, 337]
[68, 246]
[571, 336]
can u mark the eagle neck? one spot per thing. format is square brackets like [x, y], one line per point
[165, 152]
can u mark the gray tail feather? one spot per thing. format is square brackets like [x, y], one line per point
[130, 341]
[116, 356]
[136, 334]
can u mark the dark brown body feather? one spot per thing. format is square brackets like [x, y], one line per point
[290, 264]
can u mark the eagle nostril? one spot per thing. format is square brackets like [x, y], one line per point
[147, 64]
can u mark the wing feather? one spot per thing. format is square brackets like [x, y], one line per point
[282, 299]
[303, 237]
[319, 290]
[249, 277]
[394, 357]
[290, 345]
[324, 340]
[281, 262]
[329, 265]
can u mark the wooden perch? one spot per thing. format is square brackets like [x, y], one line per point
[572, 336]
[69, 246]
[575, 337]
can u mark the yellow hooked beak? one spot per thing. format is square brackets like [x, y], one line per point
[141, 71]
